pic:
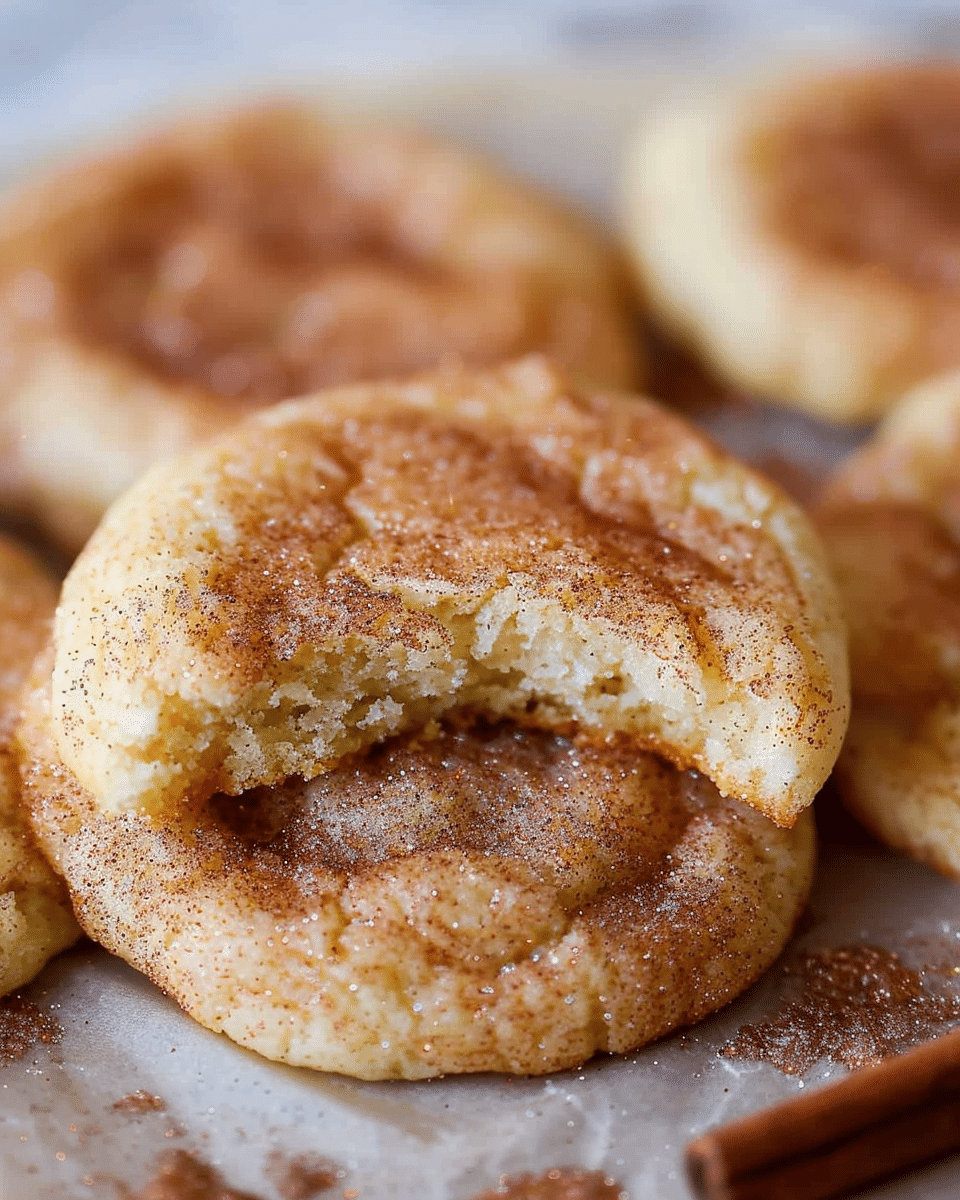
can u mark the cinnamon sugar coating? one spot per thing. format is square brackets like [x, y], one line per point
[150, 295]
[492, 898]
[35, 916]
[343, 568]
[855, 1005]
[803, 233]
[891, 523]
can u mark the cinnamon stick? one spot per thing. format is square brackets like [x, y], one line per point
[875, 1124]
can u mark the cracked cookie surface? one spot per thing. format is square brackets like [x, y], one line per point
[351, 566]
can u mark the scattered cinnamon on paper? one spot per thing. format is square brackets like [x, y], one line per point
[182, 1176]
[854, 1005]
[137, 1103]
[24, 1026]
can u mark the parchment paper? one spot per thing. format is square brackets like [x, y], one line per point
[60, 1136]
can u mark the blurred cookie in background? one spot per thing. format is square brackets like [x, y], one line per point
[803, 234]
[152, 294]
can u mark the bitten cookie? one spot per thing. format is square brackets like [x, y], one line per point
[150, 296]
[891, 523]
[36, 919]
[360, 563]
[803, 234]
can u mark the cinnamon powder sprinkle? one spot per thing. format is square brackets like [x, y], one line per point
[182, 1176]
[24, 1026]
[559, 1183]
[302, 1177]
[854, 1005]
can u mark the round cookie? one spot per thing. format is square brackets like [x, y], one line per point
[483, 899]
[149, 296]
[891, 523]
[339, 569]
[36, 919]
[803, 234]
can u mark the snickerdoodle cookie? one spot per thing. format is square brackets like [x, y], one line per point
[388, 731]
[150, 296]
[803, 234]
